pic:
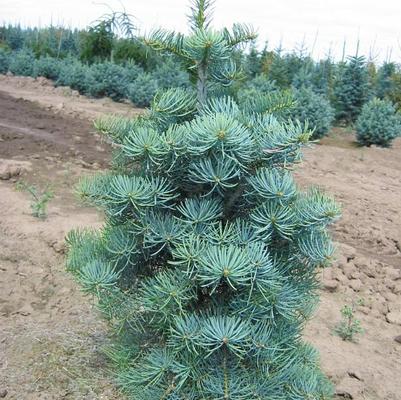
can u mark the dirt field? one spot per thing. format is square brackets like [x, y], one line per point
[50, 337]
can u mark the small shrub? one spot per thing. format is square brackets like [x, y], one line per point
[142, 90]
[314, 109]
[40, 199]
[349, 325]
[378, 123]
[108, 79]
[76, 76]
[22, 62]
[4, 61]
[47, 67]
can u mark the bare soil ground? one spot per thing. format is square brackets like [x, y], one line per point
[50, 336]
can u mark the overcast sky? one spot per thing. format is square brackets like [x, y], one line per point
[327, 23]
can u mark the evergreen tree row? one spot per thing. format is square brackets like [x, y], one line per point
[107, 79]
[348, 85]
[97, 43]
[98, 62]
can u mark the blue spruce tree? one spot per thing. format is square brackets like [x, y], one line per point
[351, 89]
[378, 123]
[206, 265]
[385, 84]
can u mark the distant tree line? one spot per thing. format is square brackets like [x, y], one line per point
[98, 61]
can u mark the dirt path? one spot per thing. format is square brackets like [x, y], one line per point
[50, 336]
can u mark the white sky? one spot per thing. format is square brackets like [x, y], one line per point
[329, 22]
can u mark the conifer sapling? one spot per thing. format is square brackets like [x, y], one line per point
[206, 265]
[378, 123]
[351, 89]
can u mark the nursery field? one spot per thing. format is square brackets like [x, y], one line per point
[50, 335]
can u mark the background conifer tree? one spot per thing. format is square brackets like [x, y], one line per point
[323, 77]
[313, 109]
[206, 265]
[378, 123]
[351, 90]
[385, 84]
[253, 62]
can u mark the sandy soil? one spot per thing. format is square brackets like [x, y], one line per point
[51, 338]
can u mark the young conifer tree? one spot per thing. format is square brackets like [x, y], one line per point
[385, 84]
[351, 90]
[206, 265]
